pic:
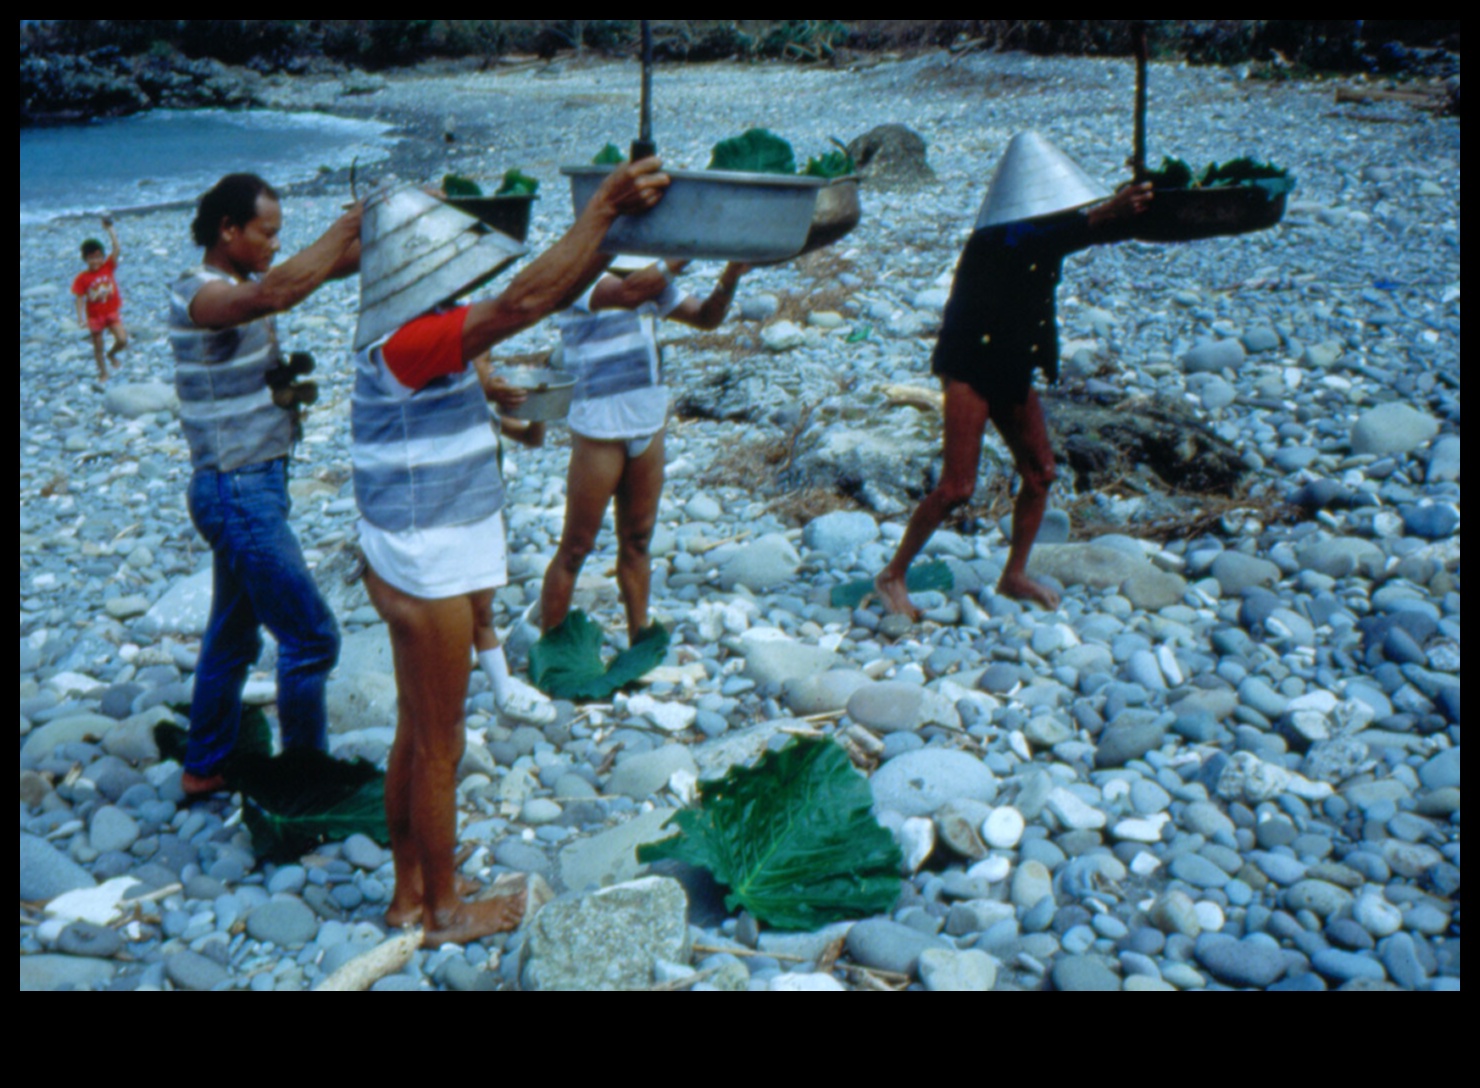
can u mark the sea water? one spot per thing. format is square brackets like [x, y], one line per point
[170, 155]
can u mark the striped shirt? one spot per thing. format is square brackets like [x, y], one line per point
[226, 408]
[619, 390]
[423, 457]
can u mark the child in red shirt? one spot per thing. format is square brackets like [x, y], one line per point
[98, 302]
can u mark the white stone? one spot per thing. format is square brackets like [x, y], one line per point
[1141, 828]
[1003, 829]
[991, 869]
[802, 982]
[1144, 864]
[73, 683]
[98, 905]
[1209, 915]
[947, 969]
[1074, 813]
[1376, 915]
[783, 336]
[916, 837]
[669, 717]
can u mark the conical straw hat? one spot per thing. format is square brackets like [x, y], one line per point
[416, 251]
[1035, 178]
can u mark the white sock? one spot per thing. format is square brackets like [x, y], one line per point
[496, 666]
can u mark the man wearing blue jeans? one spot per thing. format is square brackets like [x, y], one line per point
[225, 341]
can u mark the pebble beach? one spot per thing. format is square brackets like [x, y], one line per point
[1228, 760]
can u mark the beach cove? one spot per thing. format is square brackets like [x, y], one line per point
[1230, 759]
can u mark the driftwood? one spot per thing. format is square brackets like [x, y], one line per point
[386, 958]
[1436, 99]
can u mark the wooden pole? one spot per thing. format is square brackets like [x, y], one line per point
[1138, 157]
[643, 146]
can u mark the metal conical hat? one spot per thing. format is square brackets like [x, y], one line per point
[416, 251]
[1035, 178]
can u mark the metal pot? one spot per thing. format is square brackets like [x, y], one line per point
[717, 214]
[508, 214]
[837, 213]
[550, 392]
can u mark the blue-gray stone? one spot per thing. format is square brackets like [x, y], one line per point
[1345, 966]
[46, 872]
[89, 939]
[1442, 771]
[1130, 736]
[1213, 356]
[1083, 973]
[918, 783]
[191, 971]
[1431, 522]
[285, 921]
[1197, 871]
[889, 946]
[1247, 962]
[1399, 955]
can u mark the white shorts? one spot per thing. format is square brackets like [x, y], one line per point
[447, 561]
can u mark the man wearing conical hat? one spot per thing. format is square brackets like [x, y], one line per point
[431, 496]
[999, 329]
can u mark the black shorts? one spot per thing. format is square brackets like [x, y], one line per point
[998, 377]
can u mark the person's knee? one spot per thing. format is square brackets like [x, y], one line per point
[574, 550]
[956, 490]
[636, 543]
[1039, 475]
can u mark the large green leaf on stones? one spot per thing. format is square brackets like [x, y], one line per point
[794, 839]
[295, 801]
[920, 578]
[566, 661]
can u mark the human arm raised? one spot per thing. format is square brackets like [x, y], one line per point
[710, 313]
[336, 253]
[568, 267]
[117, 249]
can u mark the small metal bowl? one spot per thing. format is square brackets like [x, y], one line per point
[550, 392]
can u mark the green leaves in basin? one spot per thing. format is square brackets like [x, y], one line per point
[835, 164]
[517, 184]
[794, 839]
[566, 661]
[1176, 174]
[610, 155]
[455, 185]
[754, 151]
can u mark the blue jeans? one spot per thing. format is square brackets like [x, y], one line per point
[260, 578]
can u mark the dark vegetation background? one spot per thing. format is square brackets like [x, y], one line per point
[75, 69]
[283, 44]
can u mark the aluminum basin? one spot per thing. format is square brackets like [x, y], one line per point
[550, 392]
[715, 214]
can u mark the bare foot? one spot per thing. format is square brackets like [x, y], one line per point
[896, 598]
[472, 921]
[197, 786]
[408, 913]
[1022, 588]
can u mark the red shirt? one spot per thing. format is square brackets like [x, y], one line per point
[100, 289]
[426, 347]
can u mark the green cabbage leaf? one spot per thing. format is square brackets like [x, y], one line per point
[793, 838]
[754, 151]
[566, 662]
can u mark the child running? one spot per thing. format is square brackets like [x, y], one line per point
[99, 304]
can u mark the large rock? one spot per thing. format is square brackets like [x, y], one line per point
[140, 399]
[52, 971]
[892, 157]
[364, 700]
[41, 741]
[1392, 428]
[1213, 357]
[1247, 962]
[738, 747]
[917, 783]
[608, 939]
[824, 692]
[183, 610]
[641, 775]
[840, 532]
[777, 660]
[761, 565]
[1339, 557]
[890, 946]
[887, 463]
[1237, 572]
[891, 706]
[46, 872]
[611, 856]
[1092, 565]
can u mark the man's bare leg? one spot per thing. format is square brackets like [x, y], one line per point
[431, 640]
[965, 419]
[1025, 431]
[591, 481]
[638, 494]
